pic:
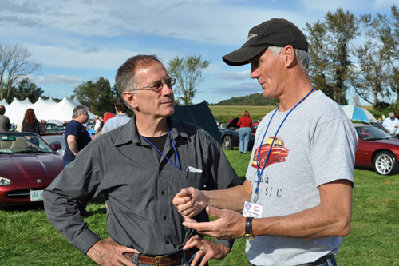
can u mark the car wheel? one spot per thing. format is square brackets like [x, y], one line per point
[227, 143]
[385, 163]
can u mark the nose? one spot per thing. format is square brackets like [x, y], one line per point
[166, 89]
[254, 71]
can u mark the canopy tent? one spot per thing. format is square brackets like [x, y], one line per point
[198, 114]
[4, 102]
[16, 110]
[45, 110]
[356, 113]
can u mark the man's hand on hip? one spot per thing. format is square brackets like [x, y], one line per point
[108, 252]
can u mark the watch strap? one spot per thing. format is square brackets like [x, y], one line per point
[248, 226]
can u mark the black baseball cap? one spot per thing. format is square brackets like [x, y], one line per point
[274, 32]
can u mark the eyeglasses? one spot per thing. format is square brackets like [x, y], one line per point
[158, 85]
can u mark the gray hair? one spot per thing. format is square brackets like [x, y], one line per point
[79, 109]
[126, 76]
[301, 56]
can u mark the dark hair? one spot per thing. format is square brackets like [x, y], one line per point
[120, 105]
[2, 109]
[126, 76]
[30, 116]
[246, 113]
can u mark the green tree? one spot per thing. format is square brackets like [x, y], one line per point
[188, 73]
[330, 47]
[25, 89]
[377, 74]
[97, 95]
[374, 68]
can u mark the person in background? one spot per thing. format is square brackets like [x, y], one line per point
[296, 201]
[140, 166]
[5, 124]
[244, 132]
[30, 122]
[97, 126]
[120, 119]
[76, 135]
[391, 124]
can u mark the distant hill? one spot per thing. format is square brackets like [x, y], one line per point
[252, 99]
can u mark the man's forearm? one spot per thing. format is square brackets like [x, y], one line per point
[231, 198]
[332, 217]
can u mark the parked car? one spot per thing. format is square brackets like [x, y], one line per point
[51, 129]
[377, 150]
[230, 137]
[56, 139]
[27, 166]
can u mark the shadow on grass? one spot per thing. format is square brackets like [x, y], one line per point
[23, 207]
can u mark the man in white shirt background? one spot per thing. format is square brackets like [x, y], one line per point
[391, 124]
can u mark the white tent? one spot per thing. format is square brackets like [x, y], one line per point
[356, 113]
[16, 110]
[4, 102]
[46, 110]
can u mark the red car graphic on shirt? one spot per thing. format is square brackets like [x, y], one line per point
[277, 154]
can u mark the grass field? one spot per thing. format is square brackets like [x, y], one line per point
[27, 238]
[222, 113]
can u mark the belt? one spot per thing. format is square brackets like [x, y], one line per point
[162, 260]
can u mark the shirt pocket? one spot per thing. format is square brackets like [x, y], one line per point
[195, 177]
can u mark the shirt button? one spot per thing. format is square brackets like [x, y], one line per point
[162, 192]
[164, 217]
[167, 242]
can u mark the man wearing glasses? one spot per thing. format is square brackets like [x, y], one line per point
[140, 166]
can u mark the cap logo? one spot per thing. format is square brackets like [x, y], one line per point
[252, 35]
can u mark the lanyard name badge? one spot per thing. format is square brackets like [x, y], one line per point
[174, 148]
[253, 209]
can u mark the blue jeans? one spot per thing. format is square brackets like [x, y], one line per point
[244, 133]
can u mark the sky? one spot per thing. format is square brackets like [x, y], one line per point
[80, 40]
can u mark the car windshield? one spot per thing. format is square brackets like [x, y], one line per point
[372, 133]
[22, 143]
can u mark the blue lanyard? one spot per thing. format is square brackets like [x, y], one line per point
[271, 145]
[173, 145]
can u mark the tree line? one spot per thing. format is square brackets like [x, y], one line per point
[347, 52]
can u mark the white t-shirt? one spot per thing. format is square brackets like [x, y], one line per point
[315, 145]
[391, 125]
[97, 126]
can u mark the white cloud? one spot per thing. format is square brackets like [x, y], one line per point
[243, 75]
[56, 79]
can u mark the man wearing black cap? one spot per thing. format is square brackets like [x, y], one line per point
[297, 198]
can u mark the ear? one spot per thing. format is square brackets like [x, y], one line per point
[130, 98]
[289, 56]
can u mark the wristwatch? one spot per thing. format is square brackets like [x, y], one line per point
[248, 235]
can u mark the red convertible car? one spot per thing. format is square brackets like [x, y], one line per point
[27, 166]
[377, 150]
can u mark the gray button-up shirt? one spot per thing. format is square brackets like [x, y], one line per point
[140, 184]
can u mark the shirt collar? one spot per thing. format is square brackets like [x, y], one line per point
[129, 132]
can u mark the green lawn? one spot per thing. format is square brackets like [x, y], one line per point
[27, 238]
